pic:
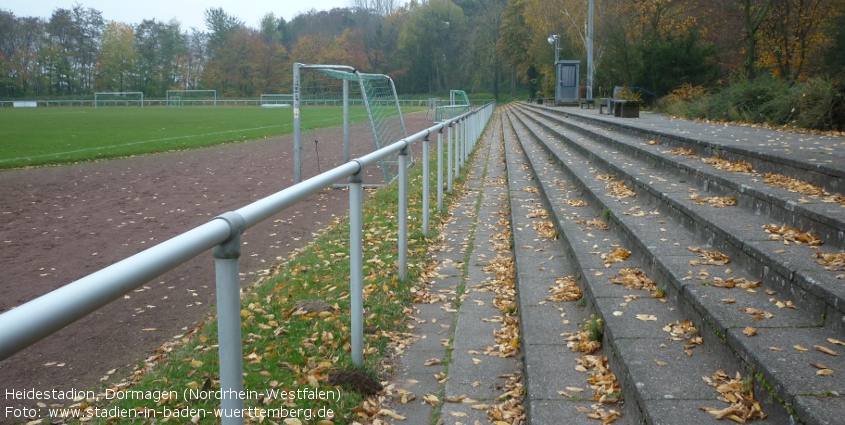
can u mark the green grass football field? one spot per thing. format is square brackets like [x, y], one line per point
[46, 136]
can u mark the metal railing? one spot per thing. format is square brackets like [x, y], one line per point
[36, 319]
[195, 102]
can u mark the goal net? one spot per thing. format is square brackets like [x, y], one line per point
[127, 98]
[269, 100]
[366, 105]
[178, 98]
[458, 104]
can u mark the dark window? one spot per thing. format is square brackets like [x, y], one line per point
[567, 75]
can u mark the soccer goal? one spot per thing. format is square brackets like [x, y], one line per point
[269, 100]
[327, 95]
[178, 98]
[119, 98]
[458, 104]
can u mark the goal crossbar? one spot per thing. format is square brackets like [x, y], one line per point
[175, 97]
[121, 97]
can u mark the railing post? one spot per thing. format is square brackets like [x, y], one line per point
[440, 170]
[458, 150]
[426, 191]
[345, 121]
[356, 266]
[449, 161]
[297, 146]
[466, 137]
[229, 321]
[403, 213]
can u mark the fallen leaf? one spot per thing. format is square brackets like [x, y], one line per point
[749, 331]
[824, 372]
[647, 317]
[799, 348]
[825, 350]
[392, 414]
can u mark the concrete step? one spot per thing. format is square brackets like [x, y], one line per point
[737, 231]
[549, 363]
[818, 158]
[826, 218]
[657, 231]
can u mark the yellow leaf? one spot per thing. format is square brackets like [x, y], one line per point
[196, 363]
[392, 414]
[824, 372]
[749, 331]
[799, 348]
[825, 350]
[835, 341]
[458, 414]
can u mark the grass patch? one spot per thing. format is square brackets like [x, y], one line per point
[49, 136]
[285, 350]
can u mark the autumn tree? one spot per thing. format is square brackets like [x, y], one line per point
[794, 33]
[118, 57]
[191, 60]
[754, 13]
[485, 23]
[158, 45]
[378, 7]
[220, 26]
[433, 44]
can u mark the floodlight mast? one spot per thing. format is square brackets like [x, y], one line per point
[555, 39]
[590, 53]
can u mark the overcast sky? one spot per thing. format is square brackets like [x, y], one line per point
[189, 12]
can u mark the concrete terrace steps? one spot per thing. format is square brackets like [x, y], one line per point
[817, 158]
[668, 392]
[737, 230]
[658, 233]
[797, 210]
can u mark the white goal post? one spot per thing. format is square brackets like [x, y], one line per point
[116, 98]
[191, 97]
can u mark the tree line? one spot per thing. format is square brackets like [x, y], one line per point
[431, 46]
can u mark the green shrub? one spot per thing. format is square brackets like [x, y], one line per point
[817, 104]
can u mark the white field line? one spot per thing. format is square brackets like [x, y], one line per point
[139, 143]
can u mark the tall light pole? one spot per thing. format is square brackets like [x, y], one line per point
[555, 39]
[590, 53]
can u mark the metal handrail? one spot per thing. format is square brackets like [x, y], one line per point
[36, 319]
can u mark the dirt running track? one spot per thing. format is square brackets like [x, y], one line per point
[62, 223]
